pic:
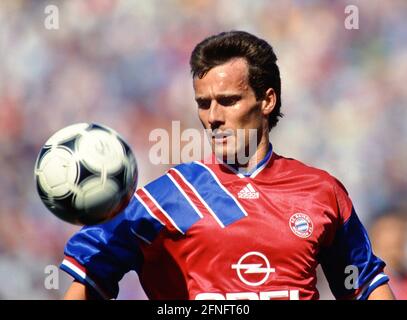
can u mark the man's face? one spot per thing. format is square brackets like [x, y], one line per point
[227, 103]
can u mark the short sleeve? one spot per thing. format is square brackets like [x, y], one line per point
[100, 255]
[348, 261]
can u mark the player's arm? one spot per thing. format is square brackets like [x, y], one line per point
[78, 291]
[350, 266]
[98, 256]
[382, 293]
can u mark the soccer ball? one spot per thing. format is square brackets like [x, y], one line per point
[85, 173]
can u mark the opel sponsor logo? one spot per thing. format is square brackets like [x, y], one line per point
[261, 266]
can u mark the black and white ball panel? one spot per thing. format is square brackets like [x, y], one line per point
[85, 173]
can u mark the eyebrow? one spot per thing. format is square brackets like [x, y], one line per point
[219, 96]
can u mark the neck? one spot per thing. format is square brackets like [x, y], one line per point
[255, 158]
[258, 155]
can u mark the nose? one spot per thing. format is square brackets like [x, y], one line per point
[216, 116]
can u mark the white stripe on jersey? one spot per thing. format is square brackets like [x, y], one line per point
[368, 285]
[165, 213]
[83, 275]
[184, 194]
[199, 197]
[222, 187]
[259, 169]
[148, 209]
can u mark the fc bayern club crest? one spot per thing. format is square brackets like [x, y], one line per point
[301, 225]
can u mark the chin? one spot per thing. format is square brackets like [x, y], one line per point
[226, 154]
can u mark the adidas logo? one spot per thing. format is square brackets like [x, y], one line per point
[248, 192]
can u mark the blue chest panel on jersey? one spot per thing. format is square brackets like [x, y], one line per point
[169, 196]
[143, 224]
[217, 199]
[174, 203]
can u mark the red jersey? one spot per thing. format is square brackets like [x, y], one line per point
[205, 231]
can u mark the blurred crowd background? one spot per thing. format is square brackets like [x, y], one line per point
[125, 64]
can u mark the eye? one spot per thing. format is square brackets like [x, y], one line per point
[229, 100]
[203, 103]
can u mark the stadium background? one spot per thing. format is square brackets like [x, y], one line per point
[125, 64]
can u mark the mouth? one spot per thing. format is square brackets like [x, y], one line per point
[219, 136]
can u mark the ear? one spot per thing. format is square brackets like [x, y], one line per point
[269, 101]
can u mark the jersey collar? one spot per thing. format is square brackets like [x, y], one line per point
[256, 170]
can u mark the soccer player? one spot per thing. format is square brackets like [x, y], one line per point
[232, 227]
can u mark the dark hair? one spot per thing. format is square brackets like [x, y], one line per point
[263, 70]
